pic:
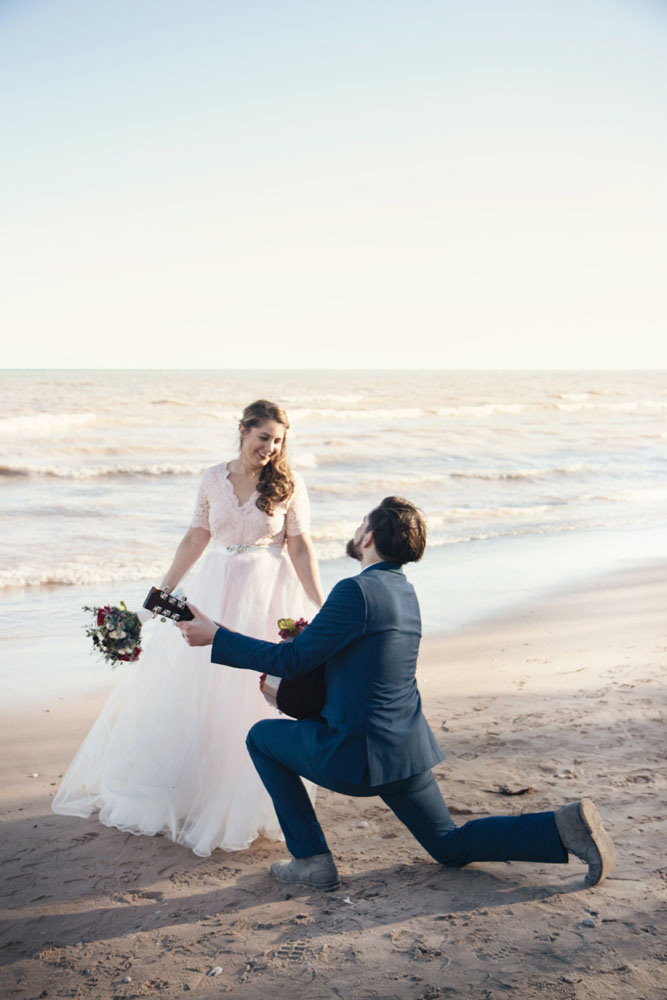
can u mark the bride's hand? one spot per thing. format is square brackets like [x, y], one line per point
[200, 631]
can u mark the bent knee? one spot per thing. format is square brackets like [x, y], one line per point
[258, 733]
[254, 733]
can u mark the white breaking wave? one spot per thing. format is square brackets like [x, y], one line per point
[335, 531]
[482, 410]
[303, 460]
[79, 574]
[445, 518]
[628, 407]
[100, 471]
[651, 492]
[499, 474]
[170, 402]
[44, 424]
[332, 397]
[400, 413]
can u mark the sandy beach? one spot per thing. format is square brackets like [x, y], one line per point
[564, 698]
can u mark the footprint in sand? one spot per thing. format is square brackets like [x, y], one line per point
[91, 835]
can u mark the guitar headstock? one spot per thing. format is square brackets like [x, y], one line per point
[159, 602]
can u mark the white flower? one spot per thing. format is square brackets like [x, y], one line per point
[117, 634]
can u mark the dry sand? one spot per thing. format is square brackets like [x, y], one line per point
[564, 699]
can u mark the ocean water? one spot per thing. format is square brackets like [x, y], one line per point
[528, 481]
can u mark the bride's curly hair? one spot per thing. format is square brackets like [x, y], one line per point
[276, 482]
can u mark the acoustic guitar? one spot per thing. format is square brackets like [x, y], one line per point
[299, 697]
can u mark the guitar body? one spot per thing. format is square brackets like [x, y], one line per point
[299, 697]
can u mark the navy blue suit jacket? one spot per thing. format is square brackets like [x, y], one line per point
[367, 633]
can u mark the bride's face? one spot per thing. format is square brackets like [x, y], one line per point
[261, 444]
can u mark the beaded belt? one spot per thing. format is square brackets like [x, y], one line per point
[249, 548]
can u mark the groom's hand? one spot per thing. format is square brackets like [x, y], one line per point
[200, 631]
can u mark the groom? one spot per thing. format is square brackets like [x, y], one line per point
[372, 738]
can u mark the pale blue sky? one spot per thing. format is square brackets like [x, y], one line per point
[464, 184]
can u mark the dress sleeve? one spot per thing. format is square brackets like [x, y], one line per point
[297, 521]
[200, 518]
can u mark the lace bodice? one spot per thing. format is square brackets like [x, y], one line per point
[231, 523]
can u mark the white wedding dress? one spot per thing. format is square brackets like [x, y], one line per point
[167, 754]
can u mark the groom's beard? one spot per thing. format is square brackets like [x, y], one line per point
[353, 550]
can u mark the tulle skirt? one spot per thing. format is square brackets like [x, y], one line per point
[167, 753]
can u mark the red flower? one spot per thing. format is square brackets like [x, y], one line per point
[101, 615]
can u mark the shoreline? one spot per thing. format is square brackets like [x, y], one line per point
[485, 581]
[565, 697]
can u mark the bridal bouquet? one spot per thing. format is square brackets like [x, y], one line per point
[115, 633]
[288, 629]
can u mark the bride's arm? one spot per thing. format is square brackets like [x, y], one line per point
[191, 546]
[302, 554]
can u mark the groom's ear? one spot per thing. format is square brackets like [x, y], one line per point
[367, 540]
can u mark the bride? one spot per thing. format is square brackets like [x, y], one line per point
[167, 754]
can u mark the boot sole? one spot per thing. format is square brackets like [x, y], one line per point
[593, 823]
[324, 886]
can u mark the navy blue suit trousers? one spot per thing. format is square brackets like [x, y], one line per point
[282, 753]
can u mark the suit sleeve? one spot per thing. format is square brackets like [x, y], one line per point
[341, 620]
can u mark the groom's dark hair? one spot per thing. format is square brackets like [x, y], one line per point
[399, 530]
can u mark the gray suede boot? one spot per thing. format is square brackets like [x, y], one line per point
[580, 829]
[318, 871]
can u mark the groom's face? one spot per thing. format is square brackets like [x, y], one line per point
[353, 547]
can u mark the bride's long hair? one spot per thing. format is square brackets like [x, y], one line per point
[275, 482]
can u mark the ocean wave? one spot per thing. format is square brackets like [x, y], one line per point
[335, 531]
[303, 460]
[325, 397]
[385, 486]
[650, 492]
[445, 518]
[523, 531]
[400, 413]
[330, 550]
[629, 407]
[44, 424]
[102, 471]
[481, 410]
[79, 574]
[349, 458]
[170, 402]
[508, 474]
[229, 416]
